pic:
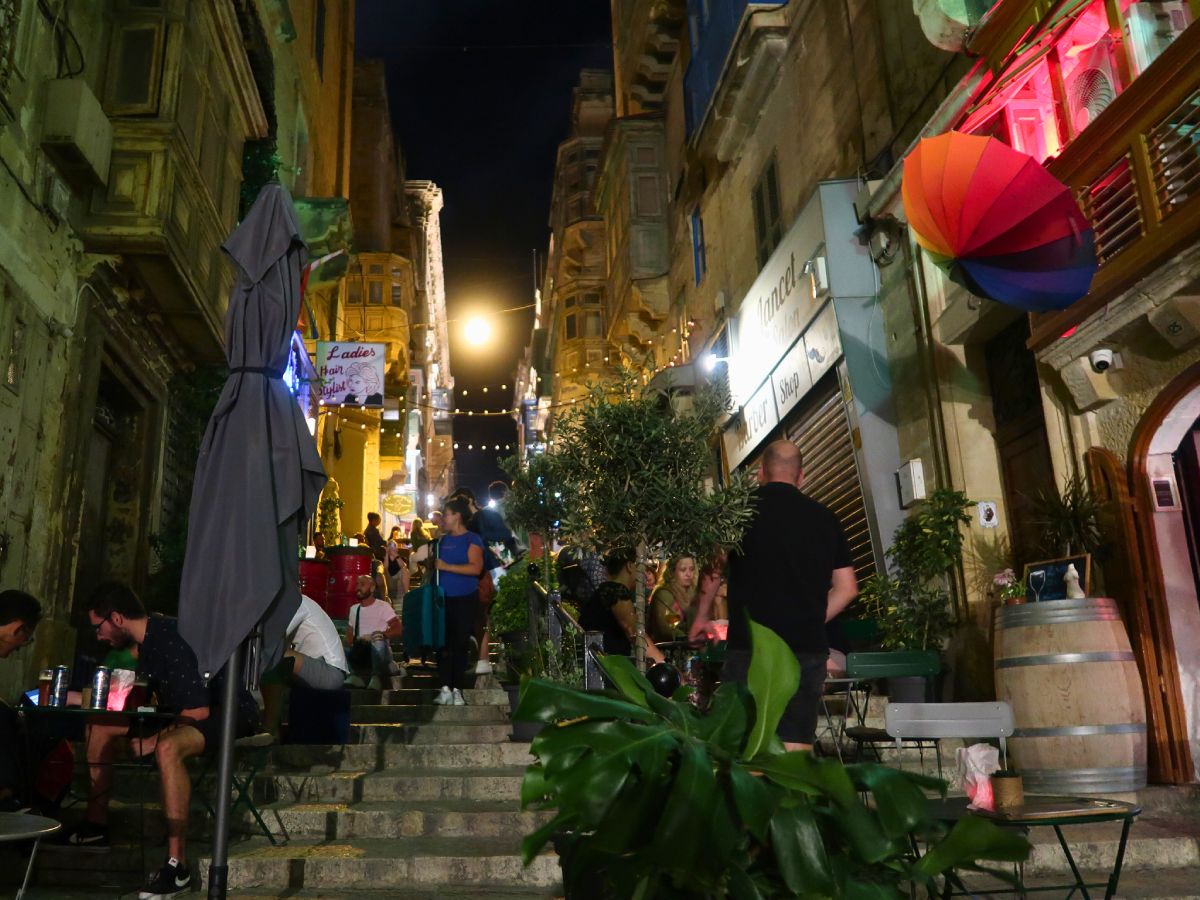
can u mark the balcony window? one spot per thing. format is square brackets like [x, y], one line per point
[649, 199]
[590, 299]
[570, 327]
[593, 325]
[1087, 58]
[1150, 26]
[1023, 114]
[699, 257]
[354, 293]
[397, 295]
[768, 224]
[375, 293]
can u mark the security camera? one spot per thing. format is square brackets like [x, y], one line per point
[1101, 359]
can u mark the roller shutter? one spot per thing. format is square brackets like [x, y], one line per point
[822, 431]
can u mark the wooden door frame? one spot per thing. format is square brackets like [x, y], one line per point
[1143, 507]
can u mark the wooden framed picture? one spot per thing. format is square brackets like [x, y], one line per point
[1046, 580]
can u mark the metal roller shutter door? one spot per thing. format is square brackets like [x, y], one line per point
[821, 430]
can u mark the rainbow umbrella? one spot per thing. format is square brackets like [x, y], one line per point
[998, 223]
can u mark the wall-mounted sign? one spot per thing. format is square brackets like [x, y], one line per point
[351, 374]
[758, 417]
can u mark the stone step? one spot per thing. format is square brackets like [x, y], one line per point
[316, 758]
[331, 866]
[417, 695]
[387, 864]
[1156, 841]
[431, 733]
[394, 714]
[397, 785]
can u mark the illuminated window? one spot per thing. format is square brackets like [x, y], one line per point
[1087, 59]
[1150, 26]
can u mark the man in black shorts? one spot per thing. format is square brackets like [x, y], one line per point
[792, 574]
[168, 664]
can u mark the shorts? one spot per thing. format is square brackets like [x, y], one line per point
[799, 722]
[246, 724]
[320, 675]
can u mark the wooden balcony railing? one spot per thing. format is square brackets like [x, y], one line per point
[1136, 172]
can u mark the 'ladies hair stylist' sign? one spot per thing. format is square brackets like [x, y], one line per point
[351, 374]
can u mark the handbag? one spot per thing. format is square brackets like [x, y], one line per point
[359, 657]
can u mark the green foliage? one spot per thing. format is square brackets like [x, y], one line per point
[534, 501]
[260, 165]
[329, 513]
[655, 799]
[912, 605]
[510, 609]
[193, 395]
[545, 661]
[1068, 522]
[633, 473]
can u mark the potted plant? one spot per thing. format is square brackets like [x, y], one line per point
[542, 660]
[653, 798]
[1012, 589]
[1068, 521]
[912, 601]
[633, 471]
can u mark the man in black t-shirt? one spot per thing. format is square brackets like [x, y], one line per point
[168, 664]
[610, 608]
[792, 574]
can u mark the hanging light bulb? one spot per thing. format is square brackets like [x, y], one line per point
[485, 390]
[456, 445]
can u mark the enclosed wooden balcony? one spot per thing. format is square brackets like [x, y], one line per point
[1136, 172]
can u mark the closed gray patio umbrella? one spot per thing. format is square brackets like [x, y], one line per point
[258, 475]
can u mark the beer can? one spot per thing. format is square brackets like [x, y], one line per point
[100, 679]
[58, 687]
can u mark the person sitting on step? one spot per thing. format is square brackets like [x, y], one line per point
[374, 621]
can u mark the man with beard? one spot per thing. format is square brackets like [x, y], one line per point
[374, 621]
[168, 665]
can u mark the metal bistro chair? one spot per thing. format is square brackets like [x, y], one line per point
[874, 666]
[931, 721]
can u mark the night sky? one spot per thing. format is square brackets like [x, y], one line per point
[480, 93]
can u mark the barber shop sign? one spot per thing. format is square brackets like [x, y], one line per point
[351, 374]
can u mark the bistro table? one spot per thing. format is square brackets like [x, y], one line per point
[25, 827]
[72, 722]
[1043, 811]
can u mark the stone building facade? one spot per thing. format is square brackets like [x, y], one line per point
[122, 148]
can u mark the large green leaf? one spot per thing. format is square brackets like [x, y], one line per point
[588, 791]
[773, 679]
[550, 701]
[533, 843]
[754, 799]
[646, 746]
[900, 804]
[681, 838]
[800, 770]
[630, 683]
[800, 850]
[534, 786]
[973, 838]
[728, 717]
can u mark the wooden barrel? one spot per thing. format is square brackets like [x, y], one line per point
[1066, 668]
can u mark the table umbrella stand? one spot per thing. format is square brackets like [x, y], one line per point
[218, 868]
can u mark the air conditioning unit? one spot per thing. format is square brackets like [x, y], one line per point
[76, 135]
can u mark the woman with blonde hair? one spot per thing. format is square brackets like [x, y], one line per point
[671, 603]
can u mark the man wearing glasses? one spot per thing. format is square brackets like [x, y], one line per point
[168, 665]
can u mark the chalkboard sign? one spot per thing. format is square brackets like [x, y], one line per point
[1046, 580]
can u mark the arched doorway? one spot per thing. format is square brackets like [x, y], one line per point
[1153, 511]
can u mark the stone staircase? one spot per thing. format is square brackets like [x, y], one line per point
[422, 803]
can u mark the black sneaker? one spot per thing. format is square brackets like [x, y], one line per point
[173, 878]
[85, 836]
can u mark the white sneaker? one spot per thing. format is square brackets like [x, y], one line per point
[397, 682]
[354, 681]
[483, 667]
[374, 684]
[444, 697]
[458, 698]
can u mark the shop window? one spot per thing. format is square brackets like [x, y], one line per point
[768, 225]
[375, 293]
[1087, 59]
[1150, 26]
[570, 327]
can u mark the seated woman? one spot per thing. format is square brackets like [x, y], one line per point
[670, 607]
[610, 610]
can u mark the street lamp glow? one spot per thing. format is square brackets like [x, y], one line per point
[477, 330]
[710, 360]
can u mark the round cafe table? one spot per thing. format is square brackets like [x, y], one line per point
[25, 827]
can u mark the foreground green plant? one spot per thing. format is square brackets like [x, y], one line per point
[654, 799]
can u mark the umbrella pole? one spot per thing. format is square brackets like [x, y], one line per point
[218, 869]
